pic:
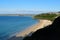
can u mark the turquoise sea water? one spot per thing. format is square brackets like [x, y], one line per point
[13, 24]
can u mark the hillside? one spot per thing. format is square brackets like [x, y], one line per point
[50, 32]
[48, 16]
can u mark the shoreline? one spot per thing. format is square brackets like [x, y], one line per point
[31, 29]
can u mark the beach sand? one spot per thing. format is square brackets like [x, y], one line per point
[39, 25]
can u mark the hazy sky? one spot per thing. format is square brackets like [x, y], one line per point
[16, 6]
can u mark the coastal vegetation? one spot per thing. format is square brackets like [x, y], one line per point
[48, 16]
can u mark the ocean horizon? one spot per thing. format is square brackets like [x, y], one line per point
[11, 25]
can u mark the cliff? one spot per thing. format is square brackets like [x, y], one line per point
[51, 32]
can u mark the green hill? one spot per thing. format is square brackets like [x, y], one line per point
[48, 16]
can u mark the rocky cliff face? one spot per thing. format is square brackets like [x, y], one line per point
[51, 32]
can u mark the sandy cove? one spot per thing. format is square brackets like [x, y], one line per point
[39, 25]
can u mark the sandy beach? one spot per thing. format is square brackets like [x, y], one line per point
[33, 28]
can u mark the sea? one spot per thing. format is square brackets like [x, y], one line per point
[11, 25]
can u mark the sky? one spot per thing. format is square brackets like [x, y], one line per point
[29, 6]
